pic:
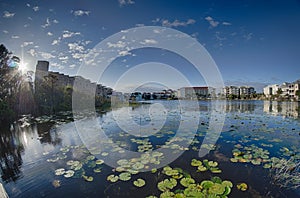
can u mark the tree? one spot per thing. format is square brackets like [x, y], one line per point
[10, 81]
[298, 94]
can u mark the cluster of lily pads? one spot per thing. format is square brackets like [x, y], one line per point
[128, 167]
[251, 154]
[206, 165]
[181, 184]
[76, 169]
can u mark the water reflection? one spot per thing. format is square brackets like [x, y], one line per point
[21, 145]
[285, 109]
[11, 148]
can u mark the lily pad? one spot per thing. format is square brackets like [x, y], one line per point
[99, 161]
[167, 194]
[60, 171]
[212, 164]
[69, 173]
[97, 170]
[112, 178]
[167, 184]
[196, 162]
[88, 178]
[125, 176]
[187, 181]
[90, 157]
[202, 168]
[242, 186]
[139, 182]
[217, 189]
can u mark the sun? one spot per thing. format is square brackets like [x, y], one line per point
[22, 66]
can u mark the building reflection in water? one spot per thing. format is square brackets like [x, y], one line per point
[285, 109]
[24, 145]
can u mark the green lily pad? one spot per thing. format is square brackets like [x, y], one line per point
[171, 172]
[90, 157]
[202, 168]
[88, 178]
[167, 184]
[206, 184]
[153, 170]
[167, 194]
[212, 164]
[97, 170]
[60, 171]
[196, 162]
[125, 176]
[216, 189]
[112, 178]
[242, 186]
[193, 190]
[215, 170]
[138, 166]
[227, 183]
[99, 161]
[139, 182]
[187, 181]
[69, 173]
[267, 165]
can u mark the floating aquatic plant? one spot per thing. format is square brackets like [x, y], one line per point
[250, 154]
[112, 178]
[60, 171]
[88, 178]
[125, 176]
[69, 173]
[187, 181]
[206, 165]
[242, 186]
[139, 182]
[167, 184]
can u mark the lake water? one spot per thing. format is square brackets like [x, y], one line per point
[125, 152]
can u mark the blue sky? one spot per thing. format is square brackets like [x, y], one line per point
[252, 42]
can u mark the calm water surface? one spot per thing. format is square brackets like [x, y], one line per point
[32, 150]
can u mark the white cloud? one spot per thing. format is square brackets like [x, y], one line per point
[36, 8]
[119, 44]
[7, 14]
[27, 43]
[248, 36]
[124, 53]
[32, 52]
[226, 23]
[63, 58]
[47, 24]
[76, 47]
[15, 37]
[68, 34]
[213, 23]
[80, 12]
[125, 2]
[55, 42]
[49, 33]
[46, 55]
[149, 41]
[28, 5]
[5, 31]
[177, 23]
